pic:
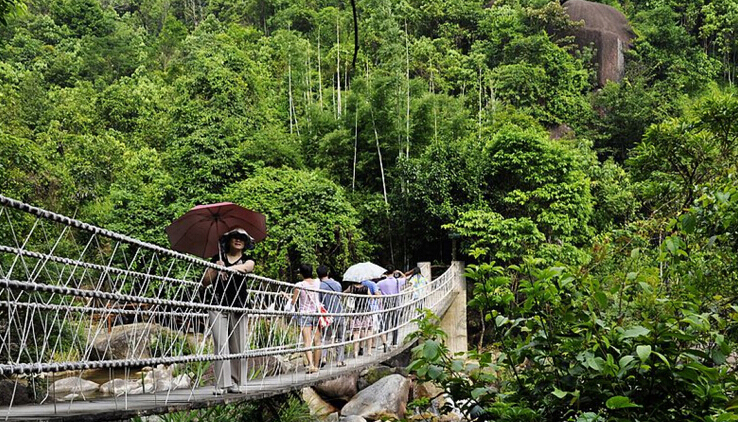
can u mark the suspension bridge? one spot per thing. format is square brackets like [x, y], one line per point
[82, 306]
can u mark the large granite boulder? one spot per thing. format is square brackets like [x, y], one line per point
[342, 388]
[72, 385]
[608, 29]
[385, 398]
[131, 341]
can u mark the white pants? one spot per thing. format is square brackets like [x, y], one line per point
[230, 336]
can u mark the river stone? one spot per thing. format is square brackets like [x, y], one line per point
[343, 387]
[386, 397]
[182, 381]
[333, 417]
[129, 341]
[72, 385]
[70, 397]
[608, 29]
[316, 404]
[119, 386]
[15, 392]
[426, 390]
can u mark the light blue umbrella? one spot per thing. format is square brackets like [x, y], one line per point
[363, 271]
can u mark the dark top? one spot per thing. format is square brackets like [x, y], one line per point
[231, 289]
[361, 304]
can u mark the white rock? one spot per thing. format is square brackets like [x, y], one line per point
[182, 381]
[70, 397]
[119, 386]
[72, 385]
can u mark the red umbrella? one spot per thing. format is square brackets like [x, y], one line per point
[199, 229]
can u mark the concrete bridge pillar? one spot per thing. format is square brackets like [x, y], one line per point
[454, 320]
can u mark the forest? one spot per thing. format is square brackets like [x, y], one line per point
[599, 223]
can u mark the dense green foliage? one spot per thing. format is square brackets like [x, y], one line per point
[475, 121]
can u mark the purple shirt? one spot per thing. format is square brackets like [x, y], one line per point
[391, 285]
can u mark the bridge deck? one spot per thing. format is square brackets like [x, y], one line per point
[125, 407]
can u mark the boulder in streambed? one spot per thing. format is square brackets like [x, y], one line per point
[385, 398]
[342, 388]
[72, 385]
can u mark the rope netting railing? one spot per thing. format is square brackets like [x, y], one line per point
[89, 313]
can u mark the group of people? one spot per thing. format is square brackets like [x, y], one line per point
[374, 313]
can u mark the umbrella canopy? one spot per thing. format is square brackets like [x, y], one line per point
[363, 271]
[199, 229]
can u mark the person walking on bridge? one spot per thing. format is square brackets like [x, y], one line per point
[230, 329]
[391, 286]
[309, 304]
[335, 332]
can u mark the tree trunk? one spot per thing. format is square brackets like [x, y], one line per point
[320, 75]
[338, 68]
[407, 80]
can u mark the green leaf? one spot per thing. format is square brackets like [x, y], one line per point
[619, 402]
[601, 299]
[595, 363]
[625, 361]
[636, 331]
[477, 392]
[431, 350]
[643, 351]
[434, 372]
[689, 222]
[558, 393]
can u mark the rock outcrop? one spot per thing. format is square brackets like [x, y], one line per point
[608, 29]
[385, 398]
[316, 404]
[342, 388]
[14, 393]
[129, 341]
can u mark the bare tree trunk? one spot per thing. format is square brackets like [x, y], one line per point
[356, 145]
[338, 67]
[479, 114]
[407, 79]
[289, 90]
[320, 75]
[379, 153]
[398, 124]
[309, 90]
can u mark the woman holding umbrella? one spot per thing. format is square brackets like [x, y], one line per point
[230, 329]
[221, 230]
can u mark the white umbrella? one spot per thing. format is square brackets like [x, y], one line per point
[363, 271]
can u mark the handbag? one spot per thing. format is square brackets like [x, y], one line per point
[324, 320]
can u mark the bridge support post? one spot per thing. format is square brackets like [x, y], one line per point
[454, 321]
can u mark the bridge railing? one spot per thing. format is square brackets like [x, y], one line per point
[81, 302]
